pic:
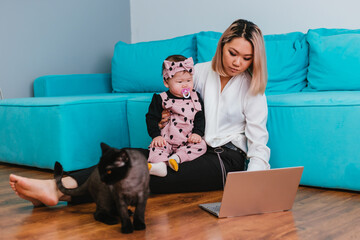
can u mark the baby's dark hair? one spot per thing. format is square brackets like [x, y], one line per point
[174, 58]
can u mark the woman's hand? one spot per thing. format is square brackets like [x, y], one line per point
[194, 138]
[158, 142]
[165, 117]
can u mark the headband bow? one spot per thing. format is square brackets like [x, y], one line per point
[171, 68]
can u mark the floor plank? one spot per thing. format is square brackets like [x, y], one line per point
[316, 214]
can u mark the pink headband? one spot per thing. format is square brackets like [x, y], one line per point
[173, 67]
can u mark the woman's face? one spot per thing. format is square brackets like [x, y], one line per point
[237, 56]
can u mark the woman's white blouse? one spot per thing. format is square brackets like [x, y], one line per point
[234, 115]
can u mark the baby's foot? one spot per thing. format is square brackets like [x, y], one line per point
[157, 169]
[174, 161]
[38, 192]
[174, 165]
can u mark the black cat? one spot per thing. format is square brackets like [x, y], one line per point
[120, 179]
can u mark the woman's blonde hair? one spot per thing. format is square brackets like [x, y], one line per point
[252, 33]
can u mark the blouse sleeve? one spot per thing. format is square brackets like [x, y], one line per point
[199, 77]
[256, 112]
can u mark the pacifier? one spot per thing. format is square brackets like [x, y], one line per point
[186, 92]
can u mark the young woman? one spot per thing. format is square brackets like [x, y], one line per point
[232, 87]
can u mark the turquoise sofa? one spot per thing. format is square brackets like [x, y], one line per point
[313, 96]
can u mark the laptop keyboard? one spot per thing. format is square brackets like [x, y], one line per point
[213, 208]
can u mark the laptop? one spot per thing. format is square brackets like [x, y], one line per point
[255, 192]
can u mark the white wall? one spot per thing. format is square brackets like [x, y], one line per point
[41, 37]
[45, 37]
[161, 19]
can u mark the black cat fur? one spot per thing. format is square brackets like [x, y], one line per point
[121, 179]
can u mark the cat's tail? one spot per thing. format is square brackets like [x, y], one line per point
[58, 174]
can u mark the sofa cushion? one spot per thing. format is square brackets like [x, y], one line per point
[72, 85]
[316, 130]
[334, 59]
[137, 108]
[206, 43]
[287, 59]
[40, 131]
[138, 67]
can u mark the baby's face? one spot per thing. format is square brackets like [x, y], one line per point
[180, 81]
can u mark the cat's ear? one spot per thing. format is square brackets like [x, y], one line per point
[122, 159]
[104, 147]
[124, 155]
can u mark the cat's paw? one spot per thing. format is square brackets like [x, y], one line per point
[139, 225]
[111, 220]
[106, 218]
[128, 228]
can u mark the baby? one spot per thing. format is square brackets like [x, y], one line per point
[181, 138]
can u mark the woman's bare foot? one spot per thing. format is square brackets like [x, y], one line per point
[37, 191]
[35, 202]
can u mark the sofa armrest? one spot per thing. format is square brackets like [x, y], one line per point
[71, 85]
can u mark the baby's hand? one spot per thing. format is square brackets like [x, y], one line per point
[194, 138]
[158, 142]
[165, 117]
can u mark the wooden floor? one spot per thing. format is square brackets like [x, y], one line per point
[316, 214]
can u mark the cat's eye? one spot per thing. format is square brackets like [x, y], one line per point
[108, 171]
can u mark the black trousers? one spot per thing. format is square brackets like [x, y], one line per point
[199, 175]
